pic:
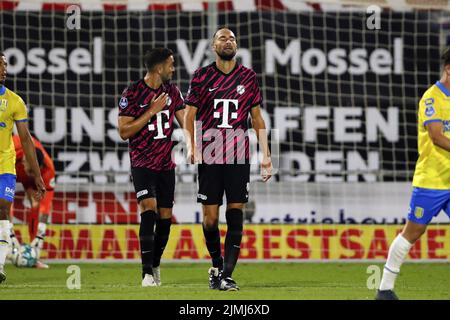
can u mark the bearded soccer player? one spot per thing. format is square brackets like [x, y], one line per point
[146, 114]
[221, 97]
[40, 210]
[12, 110]
[431, 183]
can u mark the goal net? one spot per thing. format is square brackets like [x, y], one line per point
[341, 83]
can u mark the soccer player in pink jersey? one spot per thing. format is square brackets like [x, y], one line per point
[221, 96]
[146, 113]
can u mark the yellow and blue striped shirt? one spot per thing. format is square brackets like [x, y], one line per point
[433, 165]
[12, 109]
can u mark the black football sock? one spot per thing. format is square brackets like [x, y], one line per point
[212, 237]
[233, 239]
[146, 238]
[162, 232]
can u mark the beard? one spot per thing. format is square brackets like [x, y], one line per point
[226, 56]
[166, 79]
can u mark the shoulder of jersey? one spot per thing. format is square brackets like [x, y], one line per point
[251, 71]
[173, 86]
[135, 84]
[14, 95]
[432, 91]
[203, 70]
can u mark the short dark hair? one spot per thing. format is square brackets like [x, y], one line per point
[39, 157]
[445, 57]
[155, 56]
[220, 28]
[2, 54]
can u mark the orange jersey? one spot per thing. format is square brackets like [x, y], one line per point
[47, 170]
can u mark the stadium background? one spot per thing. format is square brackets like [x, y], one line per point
[342, 96]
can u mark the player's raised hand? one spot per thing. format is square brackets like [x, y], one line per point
[158, 103]
[40, 188]
[266, 169]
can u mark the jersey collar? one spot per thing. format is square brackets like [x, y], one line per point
[226, 74]
[2, 90]
[444, 90]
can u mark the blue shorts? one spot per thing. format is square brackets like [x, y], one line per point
[427, 203]
[7, 186]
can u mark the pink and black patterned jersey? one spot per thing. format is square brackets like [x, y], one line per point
[224, 102]
[152, 146]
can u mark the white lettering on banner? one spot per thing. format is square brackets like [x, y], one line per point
[58, 119]
[318, 118]
[56, 60]
[331, 162]
[330, 166]
[192, 63]
[113, 134]
[292, 53]
[200, 58]
[110, 163]
[95, 129]
[341, 124]
[315, 61]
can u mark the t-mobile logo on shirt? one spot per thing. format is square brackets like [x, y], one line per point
[225, 112]
[161, 124]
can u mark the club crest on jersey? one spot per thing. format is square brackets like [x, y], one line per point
[240, 89]
[3, 105]
[418, 213]
[429, 107]
[169, 101]
[123, 102]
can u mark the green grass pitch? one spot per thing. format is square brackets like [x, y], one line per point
[187, 281]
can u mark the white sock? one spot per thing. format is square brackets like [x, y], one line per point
[42, 227]
[397, 254]
[14, 242]
[38, 242]
[4, 241]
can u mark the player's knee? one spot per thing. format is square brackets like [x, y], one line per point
[3, 215]
[147, 205]
[210, 223]
[413, 234]
[235, 219]
[165, 213]
[239, 206]
[4, 210]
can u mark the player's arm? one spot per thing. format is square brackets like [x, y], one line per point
[259, 126]
[189, 125]
[436, 133]
[179, 115]
[30, 154]
[129, 126]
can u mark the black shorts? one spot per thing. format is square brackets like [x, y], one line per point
[215, 179]
[154, 184]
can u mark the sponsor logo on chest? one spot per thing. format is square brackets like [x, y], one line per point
[3, 105]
